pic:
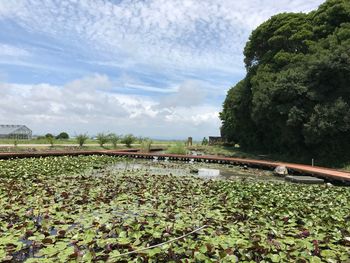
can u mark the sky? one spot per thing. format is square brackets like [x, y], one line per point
[153, 68]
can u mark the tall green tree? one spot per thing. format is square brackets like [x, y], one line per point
[296, 94]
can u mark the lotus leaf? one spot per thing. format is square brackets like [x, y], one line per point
[85, 208]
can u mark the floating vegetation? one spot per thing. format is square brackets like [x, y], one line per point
[62, 209]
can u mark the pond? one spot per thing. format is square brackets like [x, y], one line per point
[100, 208]
[201, 170]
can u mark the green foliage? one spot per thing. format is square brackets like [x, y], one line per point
[63, 209]
[146, 145]
[295, 96]
[177, 148]
[81, 139]
[50, 140]
[128, 139]
[49, 135]
[102, 138]
[205, 141]
[140, 139]
[114, 138]
[62, 136]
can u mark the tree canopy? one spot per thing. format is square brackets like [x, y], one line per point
[62, 136]
[296, 93]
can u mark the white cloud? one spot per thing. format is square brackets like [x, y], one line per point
[194, 47]
[9, 51]
[187, 33]
[89, 83]
[190, 93]
[88, 105]
[148, 88]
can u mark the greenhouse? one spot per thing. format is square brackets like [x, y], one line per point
[15, 132]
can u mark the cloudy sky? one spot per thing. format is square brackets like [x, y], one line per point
[156, 68]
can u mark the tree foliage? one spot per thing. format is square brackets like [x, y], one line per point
[128, 139]
[296, 93]
[63, 136]
[205, 141]
[49, 135]
[81, 139]
[102, 139]
[114, 138]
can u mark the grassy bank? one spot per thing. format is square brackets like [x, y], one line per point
[43, 141]
[11, 142]
[59, 148]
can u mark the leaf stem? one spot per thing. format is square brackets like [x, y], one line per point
[161, 244]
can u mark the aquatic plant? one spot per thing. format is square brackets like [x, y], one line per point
[61, 209]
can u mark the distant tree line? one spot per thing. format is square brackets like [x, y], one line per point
[296, 94]
[101, 138]
[61, 136]
[114, 139]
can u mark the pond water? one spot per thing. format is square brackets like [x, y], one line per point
[192, 152]
[203, 170]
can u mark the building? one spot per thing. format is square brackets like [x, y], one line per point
[15, 132]
[214, 140]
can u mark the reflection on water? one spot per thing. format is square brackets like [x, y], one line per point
[203, 170]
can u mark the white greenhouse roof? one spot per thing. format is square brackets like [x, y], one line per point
[8, 129]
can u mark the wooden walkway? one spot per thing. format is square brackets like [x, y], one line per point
[321, 172]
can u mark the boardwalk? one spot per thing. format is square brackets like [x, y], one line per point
[321, 172]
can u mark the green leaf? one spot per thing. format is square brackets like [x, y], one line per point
[328, 254]
[315, 259]
[275, 258]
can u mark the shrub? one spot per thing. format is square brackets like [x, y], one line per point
[62, 136]
[49, 135]
[146, 146]
[81, 139]
[128, 139]
[113, 138]
[102, 139]
[205, 141]
[178, 148]
[51, 140]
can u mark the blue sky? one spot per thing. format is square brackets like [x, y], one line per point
[154, 68]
